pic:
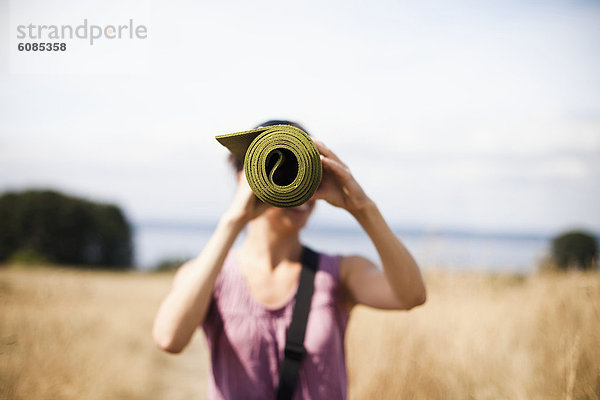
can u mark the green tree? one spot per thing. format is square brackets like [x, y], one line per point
[575, 249]
[45, 224]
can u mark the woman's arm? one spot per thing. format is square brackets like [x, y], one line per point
[400, 284]
[185, 306]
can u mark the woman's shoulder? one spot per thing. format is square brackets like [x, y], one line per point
[329, 262]
[228, 278]
[340, 265]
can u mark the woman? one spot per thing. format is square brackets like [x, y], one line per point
[243, 298]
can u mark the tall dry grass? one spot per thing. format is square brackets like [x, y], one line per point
[68, 334]
[483, 337]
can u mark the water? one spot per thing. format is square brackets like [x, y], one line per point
[441, 250]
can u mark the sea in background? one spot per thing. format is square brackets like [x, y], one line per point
[442, 249]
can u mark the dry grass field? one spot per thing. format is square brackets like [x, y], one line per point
[68, 334]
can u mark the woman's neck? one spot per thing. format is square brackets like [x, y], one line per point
[269, 247]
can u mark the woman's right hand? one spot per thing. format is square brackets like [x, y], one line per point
[245, 205]
[186, 305]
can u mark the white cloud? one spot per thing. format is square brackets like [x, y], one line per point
[458, 107]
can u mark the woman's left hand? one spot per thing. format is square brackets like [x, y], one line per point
[400, 285]
[338, 186]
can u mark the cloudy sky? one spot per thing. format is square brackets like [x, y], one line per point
[473, 115]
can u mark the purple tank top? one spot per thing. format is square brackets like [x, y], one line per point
[246, 339]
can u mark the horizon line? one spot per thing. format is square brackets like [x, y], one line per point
[414, 230]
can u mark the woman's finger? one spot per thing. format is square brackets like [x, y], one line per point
[326, 151]
[339, 169]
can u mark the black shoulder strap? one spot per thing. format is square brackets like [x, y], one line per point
[294, 344]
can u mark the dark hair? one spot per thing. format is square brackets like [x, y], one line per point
[238, 164]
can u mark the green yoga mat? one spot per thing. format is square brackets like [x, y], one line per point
[281, 162]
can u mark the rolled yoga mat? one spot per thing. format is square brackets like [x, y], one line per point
[281, 162]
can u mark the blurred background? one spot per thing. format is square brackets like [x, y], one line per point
[474, 125]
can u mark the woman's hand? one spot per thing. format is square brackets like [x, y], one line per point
[338, 186]
[245, 205]
[186, 305]
[400, 285]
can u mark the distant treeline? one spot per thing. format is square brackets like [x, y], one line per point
[47, 226]
[575, 249]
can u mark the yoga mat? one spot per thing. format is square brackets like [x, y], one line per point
[281, 162]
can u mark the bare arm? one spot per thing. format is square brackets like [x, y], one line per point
[185, 306]
[400, 284]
